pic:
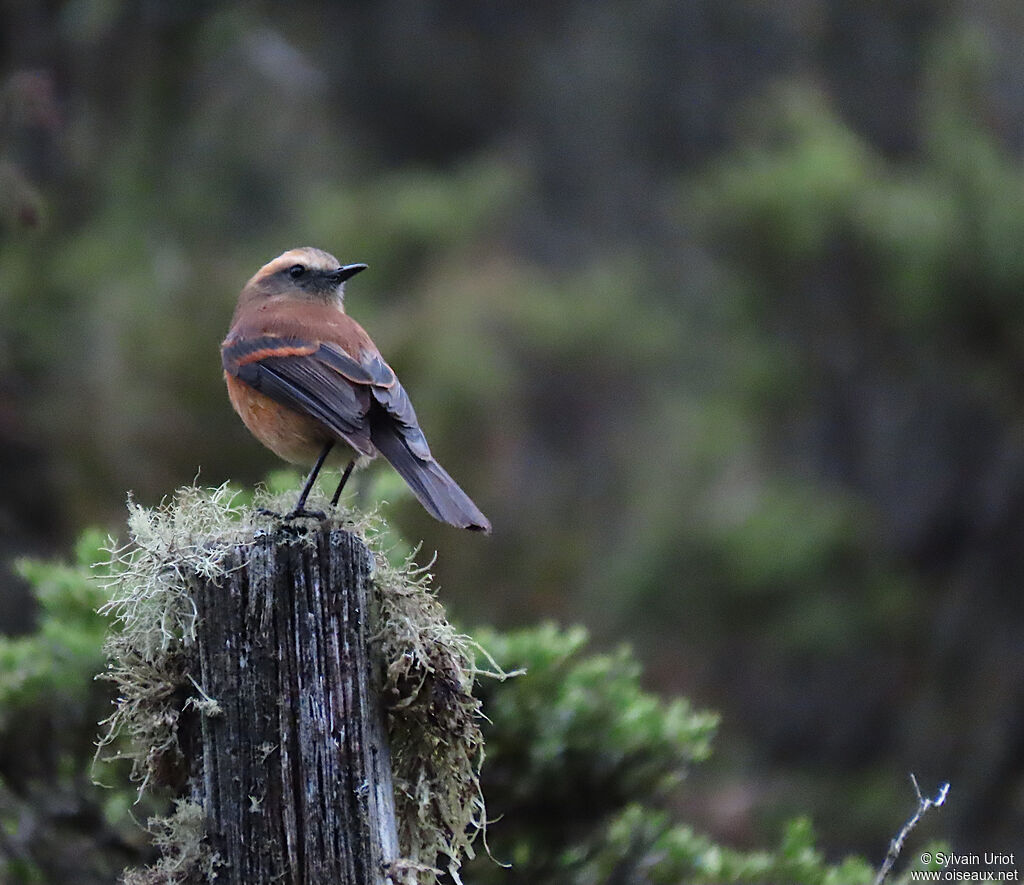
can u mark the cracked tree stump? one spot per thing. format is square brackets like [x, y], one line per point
[291, 766]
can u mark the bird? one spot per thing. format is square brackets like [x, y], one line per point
[309, 383]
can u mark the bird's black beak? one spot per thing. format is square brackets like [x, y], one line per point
[349, 270]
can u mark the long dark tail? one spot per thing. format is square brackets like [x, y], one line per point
[430, 482]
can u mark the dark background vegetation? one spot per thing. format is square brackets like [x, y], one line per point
[714, 307]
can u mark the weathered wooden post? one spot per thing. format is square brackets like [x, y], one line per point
[293, 770]
[262, 672]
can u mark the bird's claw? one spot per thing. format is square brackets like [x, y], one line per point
[297, 513]
[303, 513]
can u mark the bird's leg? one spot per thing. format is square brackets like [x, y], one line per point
[341, 485]
[300, 506]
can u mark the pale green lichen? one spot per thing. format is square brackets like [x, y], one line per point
[428, 673]
[437, 746]
[184, 855]
[154, 619]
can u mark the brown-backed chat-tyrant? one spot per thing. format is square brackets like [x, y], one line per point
[304, 376]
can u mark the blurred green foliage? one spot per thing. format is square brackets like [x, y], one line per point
[56, 824]
[573, 740]
[57, 661]
[582, 763]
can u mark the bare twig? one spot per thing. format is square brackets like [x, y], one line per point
[896, 845]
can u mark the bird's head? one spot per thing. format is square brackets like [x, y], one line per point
[305, 273]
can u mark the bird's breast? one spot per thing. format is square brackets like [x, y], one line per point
[296, 438]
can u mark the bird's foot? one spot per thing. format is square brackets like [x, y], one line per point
[297, 513]
[303, 513]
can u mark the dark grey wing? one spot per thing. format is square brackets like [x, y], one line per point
[309, 377]
[397, 435]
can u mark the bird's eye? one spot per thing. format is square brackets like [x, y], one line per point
[296, 271]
